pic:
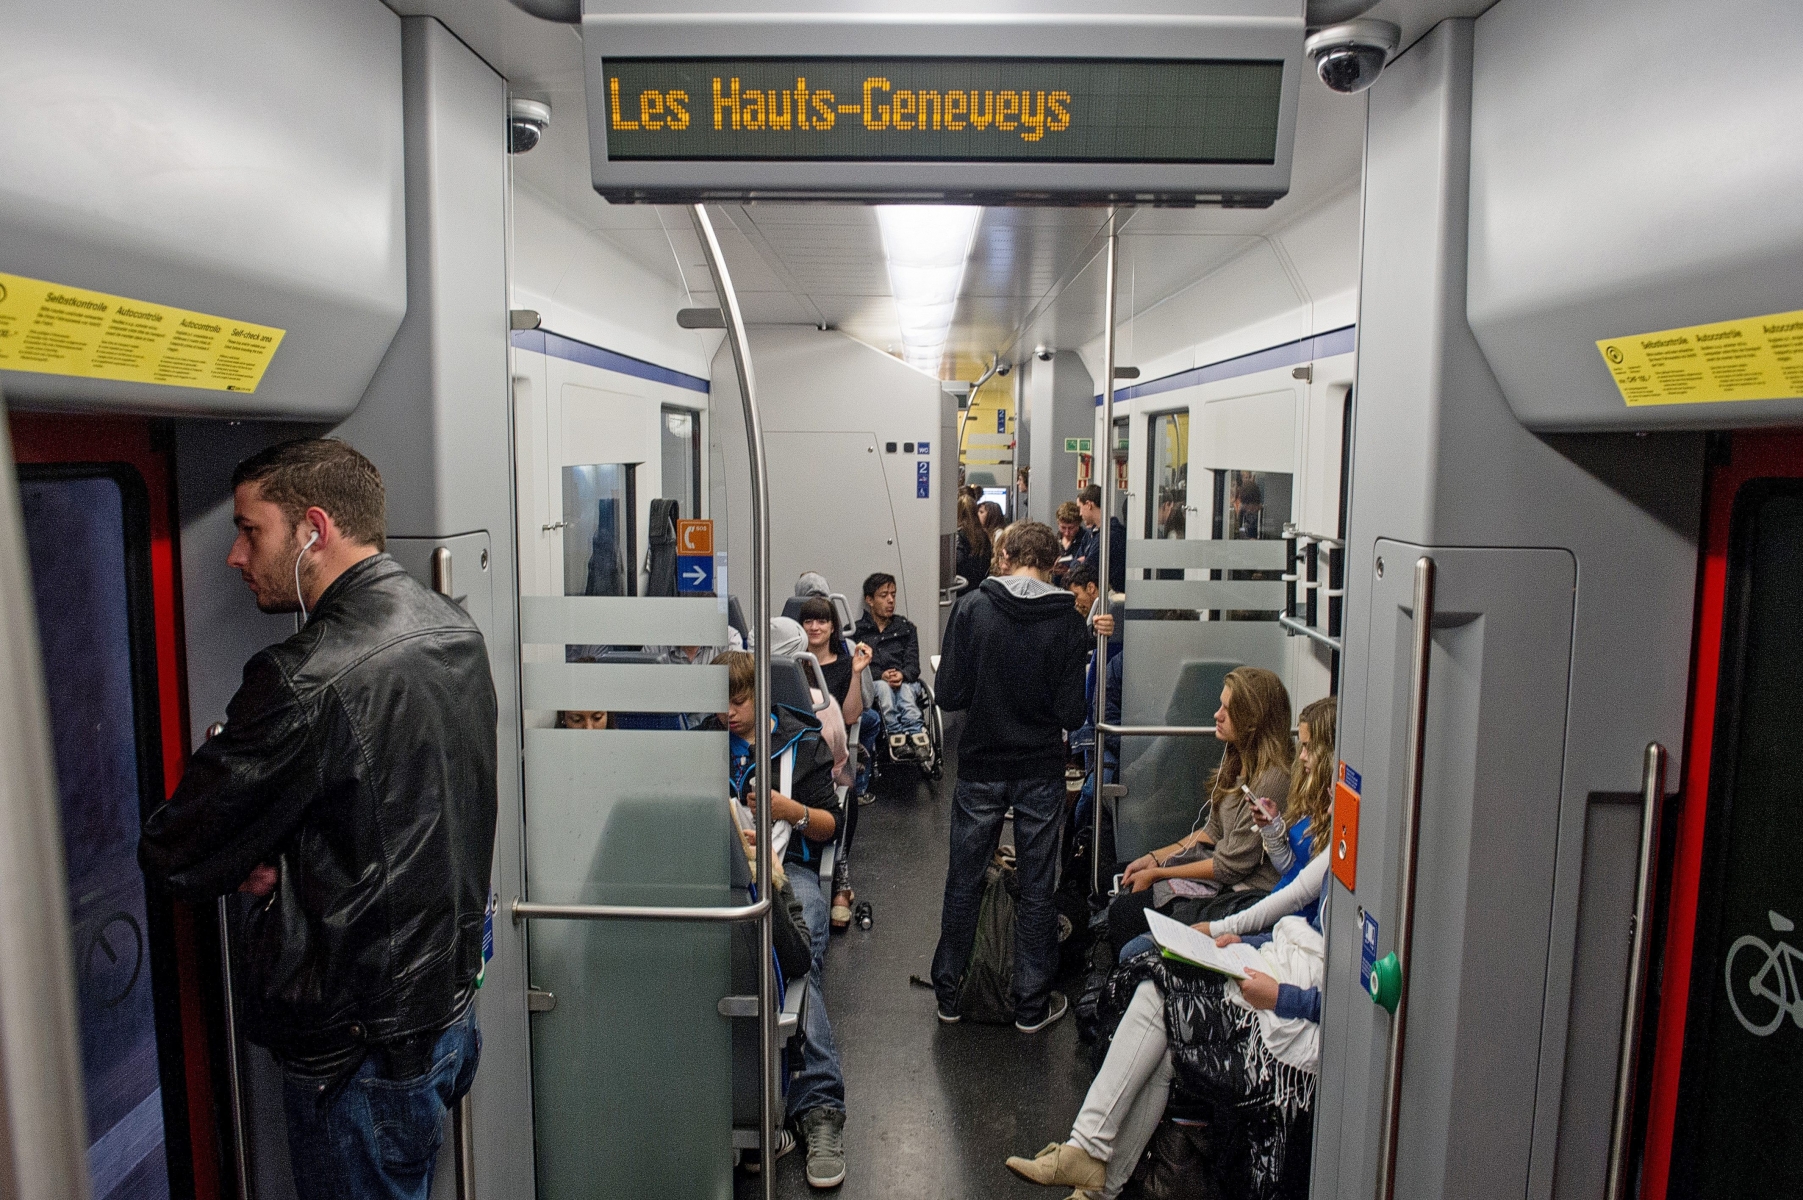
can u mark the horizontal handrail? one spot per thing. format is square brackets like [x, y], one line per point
[530, 910]
[1157, 730]
[1297, 627]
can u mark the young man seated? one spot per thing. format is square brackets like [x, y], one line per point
[895, 663]
[804, 816]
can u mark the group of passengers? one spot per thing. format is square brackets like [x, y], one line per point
[872, 690]
[1244, 1048]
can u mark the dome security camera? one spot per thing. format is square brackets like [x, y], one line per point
[1004, 368]
[1042, 353]
[1350, 56]
[527, 121]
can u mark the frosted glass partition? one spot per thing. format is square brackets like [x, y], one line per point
[635, 1045]
[1175, 662]
[625, 687]
[622, 620]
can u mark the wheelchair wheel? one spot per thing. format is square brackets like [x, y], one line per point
[936, 733]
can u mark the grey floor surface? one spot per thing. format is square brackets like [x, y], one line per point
[932, 1110]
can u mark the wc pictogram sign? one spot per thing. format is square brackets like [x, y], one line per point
[694, 538]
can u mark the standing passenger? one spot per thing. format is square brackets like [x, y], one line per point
[1014, 659]
[353, 791]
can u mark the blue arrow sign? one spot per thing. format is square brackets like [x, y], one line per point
[694, 573]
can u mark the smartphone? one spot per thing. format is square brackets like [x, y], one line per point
[1116, 889]
[1266, 808]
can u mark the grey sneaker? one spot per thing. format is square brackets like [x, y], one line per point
[1056, 1006]
[923, 745]
[824, 1129]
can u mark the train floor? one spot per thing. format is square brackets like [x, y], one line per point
[932, 1110]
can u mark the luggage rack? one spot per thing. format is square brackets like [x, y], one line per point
[1303, 587]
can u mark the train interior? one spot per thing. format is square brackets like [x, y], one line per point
[1370, 433]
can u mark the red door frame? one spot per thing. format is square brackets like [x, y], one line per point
[42, 438]
[1752, 455]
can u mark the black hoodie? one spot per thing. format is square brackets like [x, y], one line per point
[1017, 666]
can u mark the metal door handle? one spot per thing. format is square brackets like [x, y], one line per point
[1640, 952]
[1420, 664]
[441, 571]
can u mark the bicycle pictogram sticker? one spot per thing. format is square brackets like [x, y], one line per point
[1762, 980]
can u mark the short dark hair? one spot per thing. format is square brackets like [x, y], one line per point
[876, 580]
[1032, 544]
[1082, 575]
[1090, 495]
[741, 672]
[325, 473]
[816, 608]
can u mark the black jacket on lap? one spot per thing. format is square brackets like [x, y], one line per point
[1016, 664]
[358, 759]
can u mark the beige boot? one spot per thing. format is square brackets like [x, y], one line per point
[1061, 1164]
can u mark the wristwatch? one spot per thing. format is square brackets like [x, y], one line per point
[807, 814]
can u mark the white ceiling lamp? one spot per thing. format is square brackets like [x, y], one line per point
[927, 246]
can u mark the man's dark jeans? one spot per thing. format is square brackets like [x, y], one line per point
[978, 810]
[375, 1138]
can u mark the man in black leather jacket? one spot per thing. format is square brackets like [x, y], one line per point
[353, 792]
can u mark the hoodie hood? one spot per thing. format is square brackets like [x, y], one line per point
[787, 636]
[811, 583]
[1024, 598]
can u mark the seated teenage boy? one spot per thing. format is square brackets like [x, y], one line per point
[804, 815]
[895, 663]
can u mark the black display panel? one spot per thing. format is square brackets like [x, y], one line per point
[87, 536]
[942, 110]
[1740, 1106]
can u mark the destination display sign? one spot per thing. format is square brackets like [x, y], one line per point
[953, 110]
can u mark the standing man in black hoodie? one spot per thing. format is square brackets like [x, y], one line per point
[1015, 655]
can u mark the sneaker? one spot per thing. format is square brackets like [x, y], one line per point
[841, 910]
[753, 1160]
[898, 746]
[1062, 1164]
[1056, 1006]
[949, 1018]
[923, 745]
[824, 1128]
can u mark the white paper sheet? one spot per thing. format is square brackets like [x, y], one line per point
[1193, 947]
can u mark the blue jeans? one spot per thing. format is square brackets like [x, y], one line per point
[900, 707]
[977, 813]
[377, 1138]
[1138, 946]
[821, 1083]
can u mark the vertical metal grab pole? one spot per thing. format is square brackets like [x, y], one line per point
[1640, 953]
[233, 1068]
[1421, 663]
[760, 628]
[1106, 444]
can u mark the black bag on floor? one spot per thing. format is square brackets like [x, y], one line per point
[986, 994]
[1179, 1165]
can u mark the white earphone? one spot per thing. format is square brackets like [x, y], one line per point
[297, 586]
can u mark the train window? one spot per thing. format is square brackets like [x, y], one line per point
[600, 531]
[87, 534]
[1168, 485]
[1251, 504]
[681, 443]
[1742, 1062]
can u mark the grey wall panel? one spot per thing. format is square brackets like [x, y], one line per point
[1440, 460]
[237, 157]
[840, 503]
[436, 421]
[1608, 199]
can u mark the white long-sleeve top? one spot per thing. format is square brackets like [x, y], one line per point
[1298, 894]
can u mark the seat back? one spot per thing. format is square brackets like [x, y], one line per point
[789, 683]
[628, 720]
[1166, 786]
